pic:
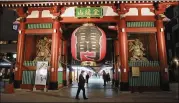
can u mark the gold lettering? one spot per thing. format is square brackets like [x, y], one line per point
[80, 13]
[96, 12]
[87, 12]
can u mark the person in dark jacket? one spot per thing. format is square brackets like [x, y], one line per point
[87, 78]
[104, 77]
[81, 85]
[11, 79]
[108, 79]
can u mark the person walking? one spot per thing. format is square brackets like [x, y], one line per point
[104, 77]
[1, 74]
[87, 78]
[108, 77]
[81, 85]
[113, 79]
[11, 79]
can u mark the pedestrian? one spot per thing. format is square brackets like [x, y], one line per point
[12, 71]
[108, 79]
[1, 75]
[113, 79]
[7, 74]
[104, 77]
[87, 77]
[11, 79]
[96, 75]
[81, 85]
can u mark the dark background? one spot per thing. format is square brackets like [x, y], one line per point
[7, 17]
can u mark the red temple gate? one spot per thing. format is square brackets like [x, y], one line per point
[125, 24]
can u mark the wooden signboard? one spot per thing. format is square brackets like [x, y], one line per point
[41, 73]
[135, 71]
[88, 12]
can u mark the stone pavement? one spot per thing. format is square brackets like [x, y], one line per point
[95, 92]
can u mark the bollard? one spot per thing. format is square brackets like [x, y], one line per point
[34, 88]
[9, 88]
[45, 89]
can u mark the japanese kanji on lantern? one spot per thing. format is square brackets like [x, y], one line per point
[88, 43]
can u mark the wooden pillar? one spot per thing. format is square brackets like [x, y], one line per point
[162, 53]
[20, 49]
[55, 55]
[64, 53]
[123, 51]
[20, 55]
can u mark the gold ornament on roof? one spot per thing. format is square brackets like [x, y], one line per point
[137, 49]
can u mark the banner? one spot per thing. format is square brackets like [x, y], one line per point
[135, 71]
[41, 73]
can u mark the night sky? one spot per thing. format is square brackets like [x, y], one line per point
[6, 23]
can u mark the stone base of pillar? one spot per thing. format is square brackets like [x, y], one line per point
[165, 86]
[124, 86]
[64, 82]
[17, 83]
[53, 85]
[70, 81]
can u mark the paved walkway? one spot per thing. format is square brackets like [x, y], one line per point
[95, 92]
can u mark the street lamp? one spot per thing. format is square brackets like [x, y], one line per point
[176, 71]
[176, 61]
[14, 56]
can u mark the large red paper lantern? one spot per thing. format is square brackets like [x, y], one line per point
[88, 43]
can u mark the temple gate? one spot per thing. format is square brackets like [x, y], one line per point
[139, 42]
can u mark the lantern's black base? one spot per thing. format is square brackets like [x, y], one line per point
[64, 82]
[124, 86]
[165, 86]
[53, 85]
[17, 83]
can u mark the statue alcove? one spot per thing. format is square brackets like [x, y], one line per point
[37, 48]
[149, 48]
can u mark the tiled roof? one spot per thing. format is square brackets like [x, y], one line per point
[14, 3]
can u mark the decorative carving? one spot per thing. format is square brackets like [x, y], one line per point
[88, 63]
[56, 18]
[56, 11]
[43, 50]
[137, 50]
[20, 19]
[159, 17]
[161, 8]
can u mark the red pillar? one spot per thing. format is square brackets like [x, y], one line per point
[65, 62]
[123, 51]
[162, 53]
[20, 55]
[55, 55]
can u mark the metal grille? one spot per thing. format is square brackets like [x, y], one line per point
[28, 77]
[145, 79]
[39, 26]
[140, 24]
